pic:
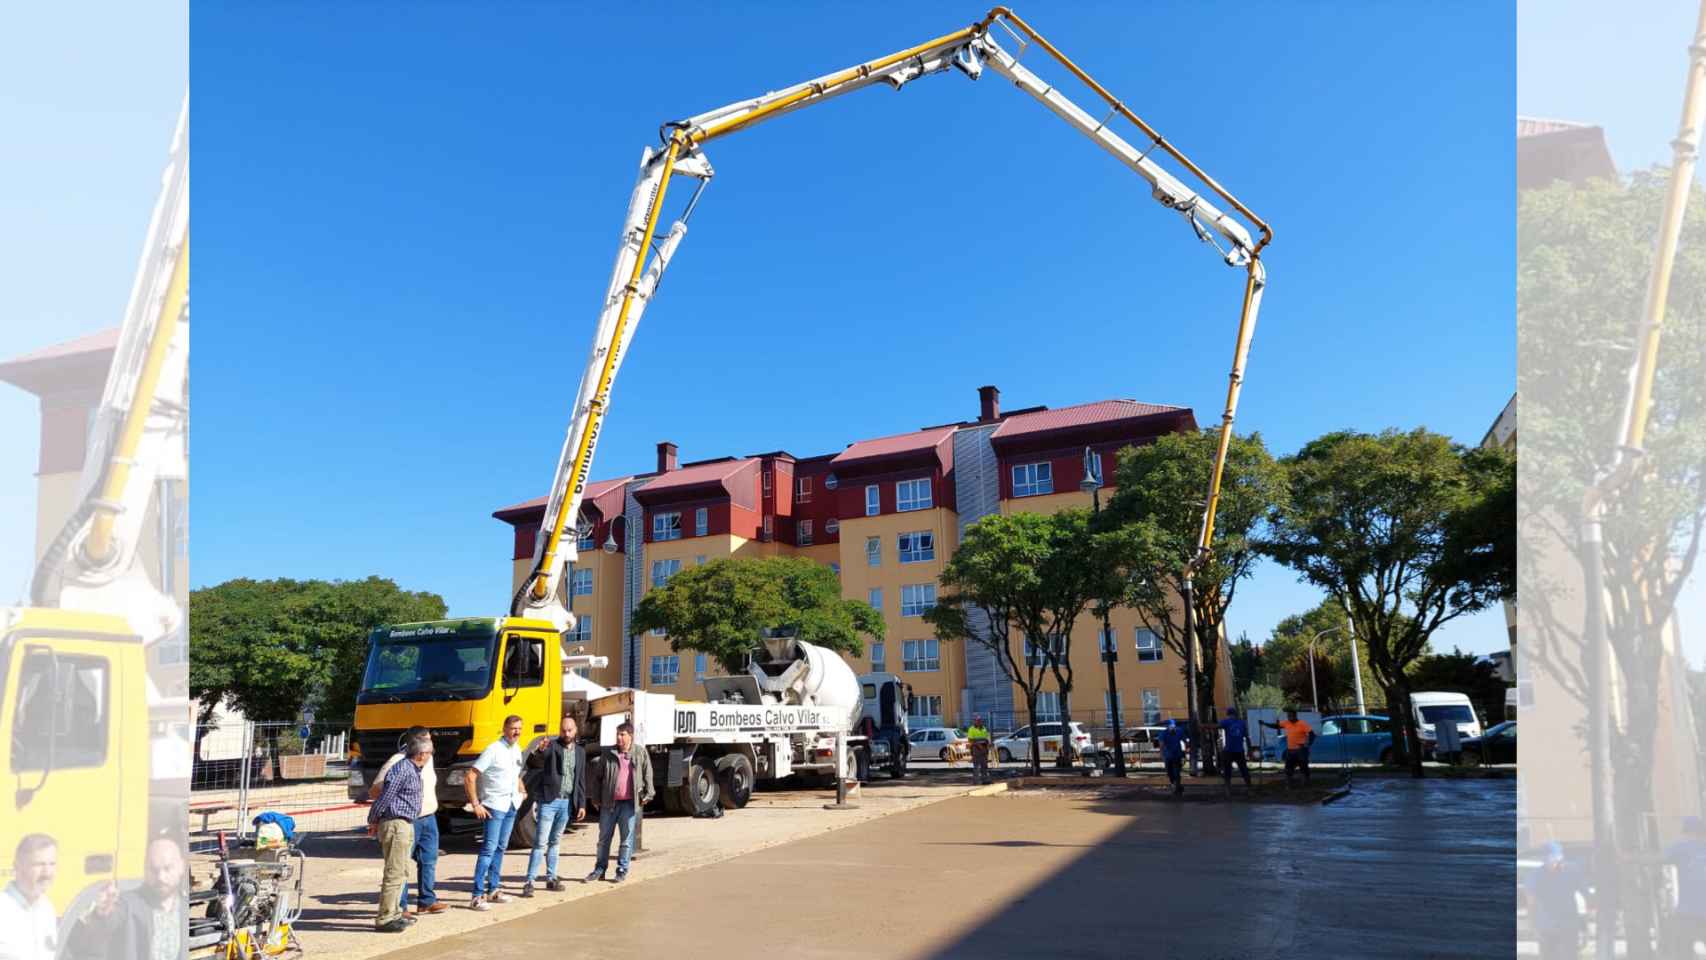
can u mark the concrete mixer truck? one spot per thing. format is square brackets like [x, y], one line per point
[461, 678]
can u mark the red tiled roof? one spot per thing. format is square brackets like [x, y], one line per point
[715, 472]
[918, 440]
[1084, 414]
[1537, 126]
[594, 490]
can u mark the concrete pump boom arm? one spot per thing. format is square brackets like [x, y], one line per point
[634, 281]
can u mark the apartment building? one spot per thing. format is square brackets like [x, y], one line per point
[885, 514]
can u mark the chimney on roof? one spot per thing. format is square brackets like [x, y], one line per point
[666, 457]
[988, 404]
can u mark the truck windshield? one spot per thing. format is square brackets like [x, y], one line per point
[428, 668]
[1455, 712]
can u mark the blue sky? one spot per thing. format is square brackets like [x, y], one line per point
[1621, 67]
[406, 218]
[90, 97]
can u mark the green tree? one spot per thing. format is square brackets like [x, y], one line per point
[1584, 256]
[1009, 581]
[270, 647]
[1288, 642]
[721, 608]
[1465, 673]
[1246, 665]
[1379, 522]
[1264, 695]
[1159, 504]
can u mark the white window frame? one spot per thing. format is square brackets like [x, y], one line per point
[766, 473]
[1150, 653]
[671, 672]
[666, 526]
[805, 488]
[874, 598]
[1151, 706]
[919, 498]
[918, 546]
[873, 551]
[669, 569]
[921, 656]
[701, 521]
[879, 656]
[580, 581]
[583, 629]
[931, 715]
[873, 499]
[1034, 655]
[1033, 479]
[769, 526]
[587, 543]
[1048, 707]
[1106, 639]
[701, 662]
[924, 598]
[803, 533]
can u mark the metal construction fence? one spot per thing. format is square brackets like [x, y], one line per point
[244, 768]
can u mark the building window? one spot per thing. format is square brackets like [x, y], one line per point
[873, 500]
[1152, 706]
[874, 551]
[1033, 479]
[701, 521]
[926, 710]
[666, 526]
[1114, 704]
[915, 598]
[875, 598]
[805, 533]
[700, 661]
[917, 547]
[580, 583]
[835, 568]
[766, 479]
[1148, 646]
[662, 570]
[582, 632]
[699, 561]
[912, 495]
[584, 539]
[665, 670]
[1105, 640]
[805, 490]
[879, 657]
[1034, 655]
[921, 656]
[173, 650]
[769, 526]
[1048, 707]
[832, 526]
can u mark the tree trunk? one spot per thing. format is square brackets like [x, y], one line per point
[272, 752]
[1634, 812]
[1036, 758]
[1406, 738]
[1063, 759]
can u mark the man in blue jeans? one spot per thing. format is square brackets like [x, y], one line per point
[426, 832]
[495, 791]
[625, 786]
[556, 780]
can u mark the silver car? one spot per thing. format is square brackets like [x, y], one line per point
[934, 743]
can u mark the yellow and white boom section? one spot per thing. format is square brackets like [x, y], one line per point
[138, 436]
[969, 51]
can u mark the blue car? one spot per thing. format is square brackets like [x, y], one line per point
[1346, 738]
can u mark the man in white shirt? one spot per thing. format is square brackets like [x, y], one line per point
[28, 928]
[426, 832]
[495, 795]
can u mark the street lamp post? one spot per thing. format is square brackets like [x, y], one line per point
[1356, 669]
[1092, 484]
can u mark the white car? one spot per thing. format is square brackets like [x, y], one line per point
[934, 743]
[1017, 745]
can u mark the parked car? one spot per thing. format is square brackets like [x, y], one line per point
[1143, 741]
[937, 741]
[1344, 738]
[1017, 745]
[1433, 707]
[1497, 745]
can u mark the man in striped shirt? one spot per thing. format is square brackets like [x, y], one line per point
[392, 820]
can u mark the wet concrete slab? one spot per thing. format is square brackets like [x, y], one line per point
[1398, 868]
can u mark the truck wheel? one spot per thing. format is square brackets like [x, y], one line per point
[861, 765]
[734, 781]
[897, 768]
[698, 792]
[1004, 755]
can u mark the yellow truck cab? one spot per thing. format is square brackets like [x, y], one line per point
[74, 740]
[459, 679]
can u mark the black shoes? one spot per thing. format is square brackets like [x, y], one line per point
[553, 884]
[395, 926]
[595, 875]
[527, 889]
[620, 876]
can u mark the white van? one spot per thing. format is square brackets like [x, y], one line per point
[1438, 707]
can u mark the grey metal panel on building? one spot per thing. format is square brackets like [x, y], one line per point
[977, 488]
[633, 583]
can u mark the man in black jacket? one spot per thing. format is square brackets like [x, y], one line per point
[146, 922]
[556, 780]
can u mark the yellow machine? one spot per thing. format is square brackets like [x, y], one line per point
[74, 712]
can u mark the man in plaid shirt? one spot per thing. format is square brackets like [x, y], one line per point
[392, 820]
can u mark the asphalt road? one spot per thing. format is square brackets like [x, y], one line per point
[1398, 868]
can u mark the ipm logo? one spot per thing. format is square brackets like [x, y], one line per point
[686, 721]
